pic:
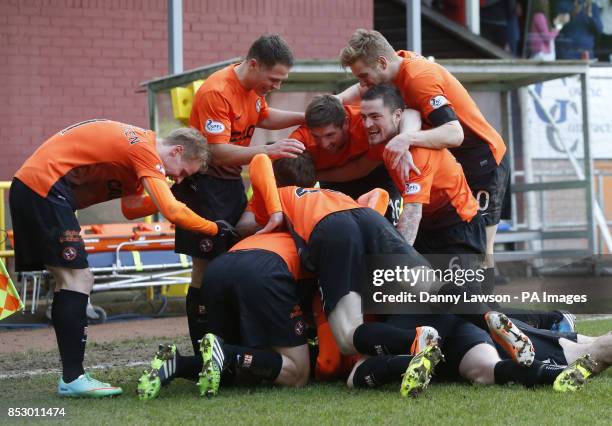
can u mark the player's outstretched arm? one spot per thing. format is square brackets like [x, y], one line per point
[265, 191]
[397, 152]
[264, 184]
[354, 169]
[352, 94]
[234, 155]
[280, 119]
[175, 211]
[408, 223]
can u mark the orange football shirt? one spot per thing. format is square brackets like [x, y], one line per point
[441, 187]
[280, 243]
[303, 207]
[92, 162]
[426, 86]
[225, 112]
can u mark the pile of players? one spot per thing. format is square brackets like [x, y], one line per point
[407, 166]
[408, 127]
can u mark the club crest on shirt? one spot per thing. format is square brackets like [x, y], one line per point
[69, 253]
[438, 101]
[214, 127]
[206, 245]
[258, 105]
[413, 188]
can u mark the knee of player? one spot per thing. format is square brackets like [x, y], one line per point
[80, 280]
[482, 374]
[295, 374]
[346, 346]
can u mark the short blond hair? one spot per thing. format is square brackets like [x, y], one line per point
[195, 146]
[366, 45]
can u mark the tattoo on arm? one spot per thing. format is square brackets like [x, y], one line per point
[408, 223]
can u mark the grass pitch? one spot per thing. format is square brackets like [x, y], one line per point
[455, 404]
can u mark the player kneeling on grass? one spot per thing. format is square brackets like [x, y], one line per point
[85, 164]
[255, 315]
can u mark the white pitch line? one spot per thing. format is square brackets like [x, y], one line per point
[56, 370]
[597, 318]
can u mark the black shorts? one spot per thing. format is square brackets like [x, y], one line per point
[546, 343]
[489, 189]
[457, 337]
[252, 300]
[46, 230]
[338, 246]
[466, 335]
[461, 244]
[214, 199]
[378, 178]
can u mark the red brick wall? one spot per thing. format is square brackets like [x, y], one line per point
[63, 61]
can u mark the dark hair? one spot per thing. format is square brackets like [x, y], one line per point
[390, 96]
[324, 110]
[299, 171]
[271, 49]
[540, 6]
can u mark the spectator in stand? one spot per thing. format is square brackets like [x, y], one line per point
[577, 39]
[499, 23]
[604, 42]
[541, 37]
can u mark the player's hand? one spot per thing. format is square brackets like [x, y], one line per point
[226, 229]
[276, 221]
[397, 156]
[284, 148]
[226, 237]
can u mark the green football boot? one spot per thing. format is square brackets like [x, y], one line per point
[162, 371]
[211, 348]
[419, 371]
[575, 375]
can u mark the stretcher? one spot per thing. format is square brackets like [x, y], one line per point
[123, 256]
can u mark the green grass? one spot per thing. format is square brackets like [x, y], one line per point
[455, 404]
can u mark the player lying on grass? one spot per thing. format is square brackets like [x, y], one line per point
[563, 360]
[333, 235]
[85, 164]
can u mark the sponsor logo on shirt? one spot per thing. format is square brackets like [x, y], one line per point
[214, 126]
[258, 105]
[438, 101]
[413, 188]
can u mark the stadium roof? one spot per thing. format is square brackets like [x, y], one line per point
[475, 74]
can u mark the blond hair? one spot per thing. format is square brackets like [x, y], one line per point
[366, 45]
[195, 146]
